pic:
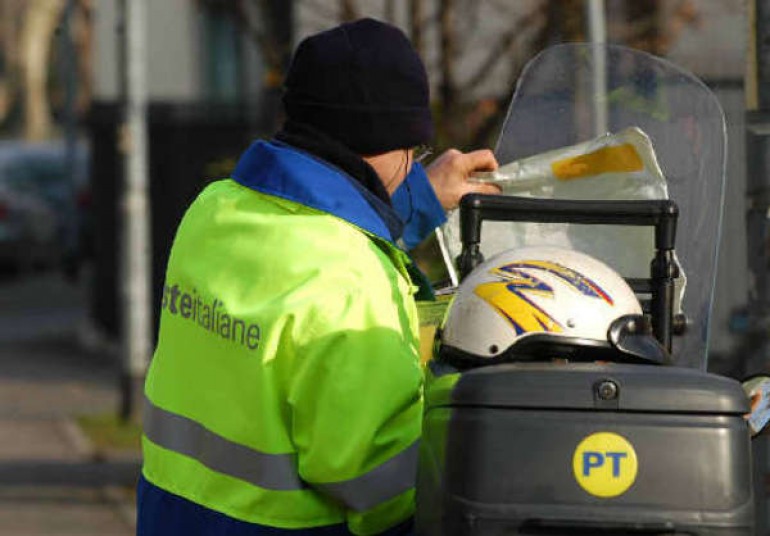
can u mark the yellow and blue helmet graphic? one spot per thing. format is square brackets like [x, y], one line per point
[535, 290]
[511, 296]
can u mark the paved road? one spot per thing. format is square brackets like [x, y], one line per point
[39, 305]
[49, 483]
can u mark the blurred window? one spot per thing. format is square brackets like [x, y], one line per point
[222, 57]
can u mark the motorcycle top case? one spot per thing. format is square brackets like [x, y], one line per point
[579, 448]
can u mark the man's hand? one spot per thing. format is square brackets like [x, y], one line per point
[448, 174]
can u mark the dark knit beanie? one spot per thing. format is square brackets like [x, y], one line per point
[363, 84]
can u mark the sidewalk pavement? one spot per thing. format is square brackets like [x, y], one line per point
[52, 482]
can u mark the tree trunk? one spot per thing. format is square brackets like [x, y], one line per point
[83, 35]
[447, 85]
[447, 52]
[416, 25]
[390, 11]
[38, 27]
[278, 37]
[348, 10]
[10, 14]
[645, 31]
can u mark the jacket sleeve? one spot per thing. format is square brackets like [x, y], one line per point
[418, 207]
[356, 409]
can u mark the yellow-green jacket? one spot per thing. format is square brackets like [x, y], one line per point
[285, 390]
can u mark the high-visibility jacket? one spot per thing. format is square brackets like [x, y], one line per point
[285, 390]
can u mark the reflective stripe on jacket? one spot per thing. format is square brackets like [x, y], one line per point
[285, 387]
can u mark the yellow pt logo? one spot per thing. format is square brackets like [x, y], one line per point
[605, 464]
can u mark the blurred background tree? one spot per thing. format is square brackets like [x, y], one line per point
[31, 88]
[473, 72]
[219, 65]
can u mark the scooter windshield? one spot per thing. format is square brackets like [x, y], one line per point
[599, 101]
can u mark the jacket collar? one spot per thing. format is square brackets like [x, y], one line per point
[319, 144]
[282, 170]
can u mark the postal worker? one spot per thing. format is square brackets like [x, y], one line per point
[284, 396]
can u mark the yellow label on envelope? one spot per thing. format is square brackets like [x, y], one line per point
[614, 159]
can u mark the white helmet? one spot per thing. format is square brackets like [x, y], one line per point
[546, 302]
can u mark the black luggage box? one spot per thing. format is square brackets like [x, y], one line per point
[513, 449]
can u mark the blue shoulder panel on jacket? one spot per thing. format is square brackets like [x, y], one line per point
[281, 170]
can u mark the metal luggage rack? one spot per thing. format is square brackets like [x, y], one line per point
[661, 214]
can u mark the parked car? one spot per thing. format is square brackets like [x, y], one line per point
[28, 231]
[45, 205]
